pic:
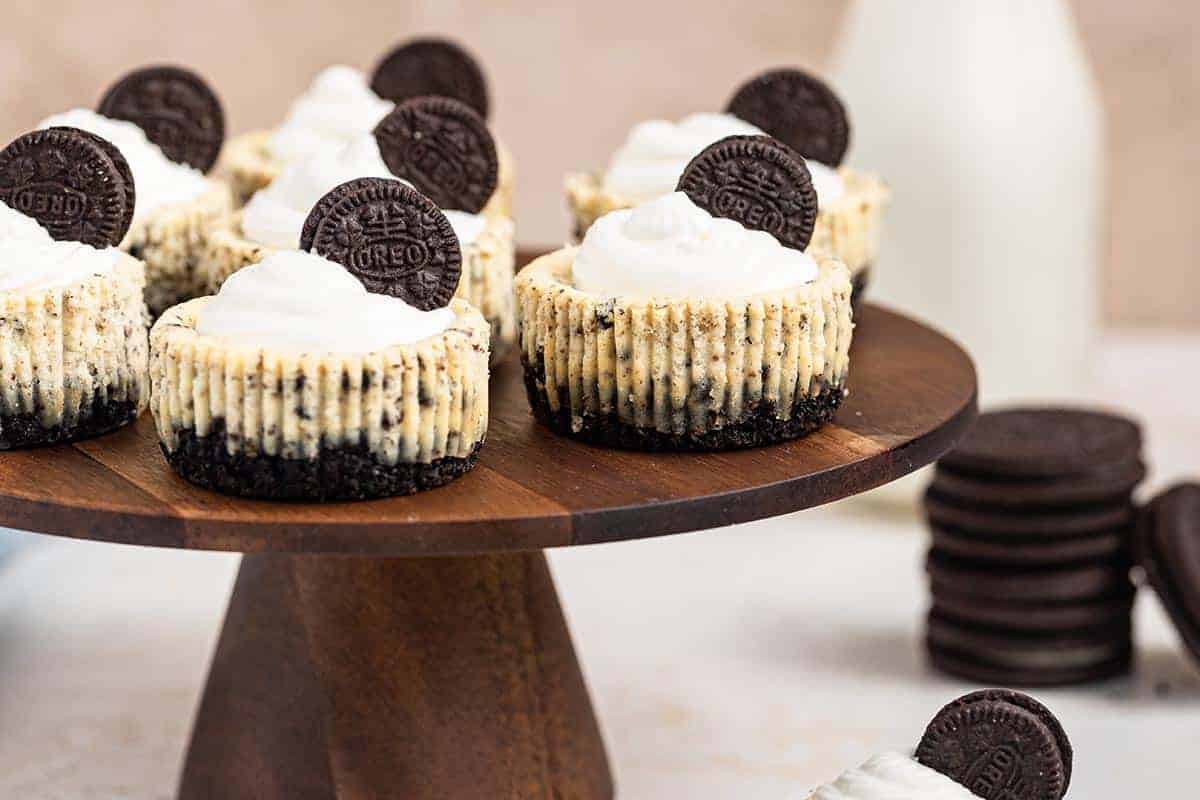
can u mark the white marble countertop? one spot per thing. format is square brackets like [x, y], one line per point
[782, 652]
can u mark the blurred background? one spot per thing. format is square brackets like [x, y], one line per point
[569, 80]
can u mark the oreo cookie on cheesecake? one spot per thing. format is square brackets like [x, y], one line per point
[346, 369]
[73, 347]
[1032, 517]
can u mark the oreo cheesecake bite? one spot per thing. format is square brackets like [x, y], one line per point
[344, 103]
[442, 148]
[73, 348]
[790, 105]
[695, 321]
[340, 371]
[169, 126]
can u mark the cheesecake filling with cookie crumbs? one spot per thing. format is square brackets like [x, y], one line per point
[703, 360]
[296, 383]
[73, 350]
[890, 776]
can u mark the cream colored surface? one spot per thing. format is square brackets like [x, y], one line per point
[171, 241]
[486, 282]
[646, 360]
[847, 229]
[290, 405]
[64, 347]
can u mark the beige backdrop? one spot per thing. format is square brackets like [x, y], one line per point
[568, 81]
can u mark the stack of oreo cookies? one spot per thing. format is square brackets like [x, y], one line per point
[1032, 519]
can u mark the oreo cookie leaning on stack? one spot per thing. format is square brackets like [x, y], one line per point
[1032, 519]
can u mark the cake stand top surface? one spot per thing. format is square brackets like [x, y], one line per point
[912, 395]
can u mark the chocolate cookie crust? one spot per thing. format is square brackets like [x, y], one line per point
[27, 430]
[343, 472]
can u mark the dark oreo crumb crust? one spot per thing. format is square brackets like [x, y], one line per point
[27, 430]
[858, 286]
[760, 428]
[345, 472]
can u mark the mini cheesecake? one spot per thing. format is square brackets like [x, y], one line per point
[322, 420]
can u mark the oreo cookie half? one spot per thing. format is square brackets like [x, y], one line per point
[122, 166]
[389, 236]
[66, 181]
[1168, 545]
[996, 748]
[443, 148]
[799, 110]
[425, 67]
[757, 181]
[176, 108]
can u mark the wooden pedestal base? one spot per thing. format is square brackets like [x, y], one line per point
[355, 678]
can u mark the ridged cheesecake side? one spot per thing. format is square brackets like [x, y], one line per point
[681, 374]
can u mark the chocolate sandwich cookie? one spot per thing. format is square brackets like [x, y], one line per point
[66, 180]
[1059, 584]
[122, 166]
[1000, 746]
[1018, 616]
[1044, 443]
[1103, 485]
[797, 108]
[1059, 523]
[431, 67]
[175, 107]
[757, 181]
[1168, 548]
[443, 148]
[1044, 551]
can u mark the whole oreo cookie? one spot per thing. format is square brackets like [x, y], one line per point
[389, 236]
[176, 108]
[66, 181]
[1106, 484]
[757, 181]
[1168, 544]
[1057, 523]
[443, 148]
[122, 166]
[1044, 443]
[798, 109]
[996, 748]
[426, 67]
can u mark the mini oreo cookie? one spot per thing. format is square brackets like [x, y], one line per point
[175, 107]
[122, 166]
[997, 749]
[1044, 443]
[799, 110]
[66, 181]
[1102, 485]
[443, 148]
[1058, 523]
[1168, 548]
[389, 236]
[427, 67]
[757, 181]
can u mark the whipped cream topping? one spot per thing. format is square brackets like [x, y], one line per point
[275, 215]
[649, 163]
[298, 301]
[337, 107]
[158, 181]
[891, 776]
[670, 247]
[31, 260]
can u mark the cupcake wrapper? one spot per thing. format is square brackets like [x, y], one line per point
[486, 282]
[681, 366]
[171, 241]
[247, 163]
[412, 404]
[70, 353]
[848, 229]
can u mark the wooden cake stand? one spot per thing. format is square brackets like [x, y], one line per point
[414, 647]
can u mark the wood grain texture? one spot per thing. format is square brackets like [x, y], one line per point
[423, 678]
[912, 394]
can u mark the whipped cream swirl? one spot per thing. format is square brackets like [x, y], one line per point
[297, 301]
[158, 181]
[31, 260]
[337, 107]
[649, 163]
[275, 215]
[670, 247]
[891, 776]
